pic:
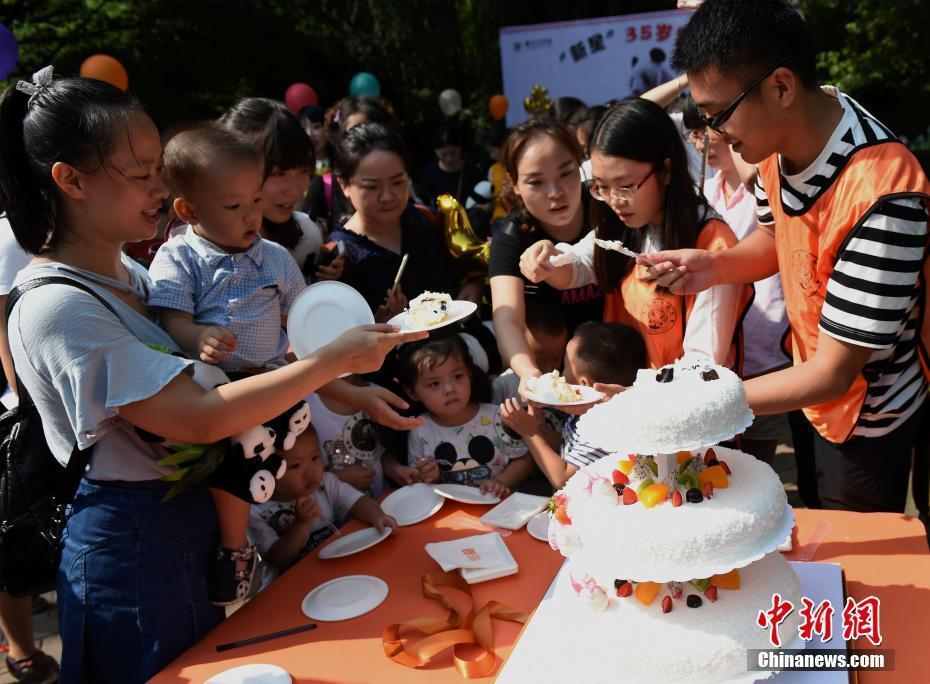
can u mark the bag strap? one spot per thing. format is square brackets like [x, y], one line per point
[77, 464]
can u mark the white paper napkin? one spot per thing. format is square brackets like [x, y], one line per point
[478, 551]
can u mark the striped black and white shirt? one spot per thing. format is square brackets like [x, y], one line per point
[874, 288]
[575, 451]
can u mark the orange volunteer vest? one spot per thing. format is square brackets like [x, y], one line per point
[660, 316]
[809, 246]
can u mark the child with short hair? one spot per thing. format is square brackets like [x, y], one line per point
[307, 503]
[462, 441]
[223, 294]
[546, 334]
[598, 353]
[350, 440]
[224, 291]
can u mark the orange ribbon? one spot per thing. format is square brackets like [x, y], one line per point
[470, 636]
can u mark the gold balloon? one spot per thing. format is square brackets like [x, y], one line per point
[469, 252]
[538, 101]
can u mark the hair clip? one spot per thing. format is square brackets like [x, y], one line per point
[41, 80]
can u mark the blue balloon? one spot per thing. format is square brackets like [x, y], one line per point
[364, 84]
[9, 52]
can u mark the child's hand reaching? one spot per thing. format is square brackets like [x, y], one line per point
[401, 474]
[215, 344]
[306, 509]
[496, 488]
[358, 476]
[386, 521]
[525, 421]
[428, 470]
[394, 303]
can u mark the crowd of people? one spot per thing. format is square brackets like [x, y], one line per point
[796, 257]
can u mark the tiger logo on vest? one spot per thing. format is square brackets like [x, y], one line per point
[804, 269]
[659, 315]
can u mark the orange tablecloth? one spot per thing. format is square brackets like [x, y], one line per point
[881, 553]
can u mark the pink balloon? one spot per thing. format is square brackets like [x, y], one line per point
[298, 96]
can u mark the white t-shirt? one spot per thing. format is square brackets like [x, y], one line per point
[268, 521]
[467, 454]
[766, 322]
[80, 363]
[13, 259]
[345, 438]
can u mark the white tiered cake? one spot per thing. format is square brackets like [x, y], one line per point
[672, 540]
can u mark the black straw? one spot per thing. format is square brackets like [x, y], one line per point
[266, 637]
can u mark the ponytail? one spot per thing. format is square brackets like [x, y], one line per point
[22, 195]
[71, 120]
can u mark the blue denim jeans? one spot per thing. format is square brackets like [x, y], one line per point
[132, 592]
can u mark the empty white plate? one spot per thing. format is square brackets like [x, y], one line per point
[412, 504]
[589, 395]
[353, 543]
[254, 673]
[457, 311]
[465, 494]
[322, 312]
[515, 511]
[344, 598]
[538, 526]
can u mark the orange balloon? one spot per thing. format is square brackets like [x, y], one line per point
[498, 106]
[105, 68]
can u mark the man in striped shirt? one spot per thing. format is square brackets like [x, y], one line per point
[842, 207]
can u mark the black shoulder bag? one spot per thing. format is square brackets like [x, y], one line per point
[34, 488]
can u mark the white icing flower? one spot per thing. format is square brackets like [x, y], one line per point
[595, 597]
[589, 592]
[604, 490]
[567, 539]
[553, 533]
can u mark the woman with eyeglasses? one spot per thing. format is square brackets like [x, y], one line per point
[543, 192]
[644, 197]
[372, 173]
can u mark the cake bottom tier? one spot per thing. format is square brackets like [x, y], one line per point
[632, 642]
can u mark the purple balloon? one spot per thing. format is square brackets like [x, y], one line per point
[9, 52]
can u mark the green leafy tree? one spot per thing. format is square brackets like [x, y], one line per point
[875, 50]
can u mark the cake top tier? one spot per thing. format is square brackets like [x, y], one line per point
[689, 404]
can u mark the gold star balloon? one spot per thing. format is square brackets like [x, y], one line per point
[538, 101]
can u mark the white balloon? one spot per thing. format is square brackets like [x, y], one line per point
[450, 102]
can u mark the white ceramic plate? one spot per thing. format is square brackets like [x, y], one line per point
[515, 511]
[465, 494]
[412, 504]
[344, 598]
[589, 395]
[254, 673]
[353, 543]
[538, 526]
[457, 311]
[322, 312]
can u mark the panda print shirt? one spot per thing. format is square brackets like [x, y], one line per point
[268, 521]
[467, 454]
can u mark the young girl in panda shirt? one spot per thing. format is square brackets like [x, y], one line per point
[462, 441]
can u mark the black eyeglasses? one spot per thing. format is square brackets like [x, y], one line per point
[627, 194]
[714, 123]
